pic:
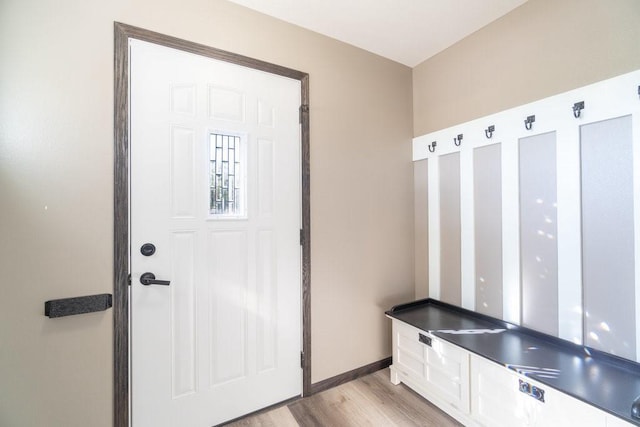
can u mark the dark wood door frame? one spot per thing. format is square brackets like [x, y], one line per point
[123, 33]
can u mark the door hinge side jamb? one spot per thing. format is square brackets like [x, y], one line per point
[304, 108]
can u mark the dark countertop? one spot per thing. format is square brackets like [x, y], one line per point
[604, 381]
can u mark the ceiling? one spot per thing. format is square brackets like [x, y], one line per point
[405, 31]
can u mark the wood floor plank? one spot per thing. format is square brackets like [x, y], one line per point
[402, 405]
[344, 405]
[367, 401]
[278, 417]
[282, 417]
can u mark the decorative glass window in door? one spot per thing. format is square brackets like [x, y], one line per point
[226, 192]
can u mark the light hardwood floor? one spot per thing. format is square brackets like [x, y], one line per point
[368, 401]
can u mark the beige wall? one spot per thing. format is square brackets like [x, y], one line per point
[542, 48]
[56, 190]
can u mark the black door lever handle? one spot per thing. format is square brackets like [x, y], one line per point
[150, 279]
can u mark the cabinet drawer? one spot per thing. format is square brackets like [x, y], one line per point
[446, 358]
[447, 372]
[408, 353]
[616, 422]
[494, 397]
[408, 364]
[497, 400]
[409, 344]
[561, 409]
[434, 367]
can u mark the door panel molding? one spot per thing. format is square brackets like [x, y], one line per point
[122, 34]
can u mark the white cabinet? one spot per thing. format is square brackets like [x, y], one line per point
[479, 392]
[494, 397]
[617, 422]
[563, 410]
[497, 400]
[434, 368]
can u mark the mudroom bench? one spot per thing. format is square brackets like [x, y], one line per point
[486, 372]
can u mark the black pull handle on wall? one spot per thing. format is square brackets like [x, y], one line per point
[77, 305]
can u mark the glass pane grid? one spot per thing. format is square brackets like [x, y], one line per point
[224, 179]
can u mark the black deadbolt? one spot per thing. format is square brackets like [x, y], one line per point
[148, 249]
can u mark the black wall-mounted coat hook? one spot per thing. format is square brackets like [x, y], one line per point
[528, 122]
[488, 132]
[432, 147]
[457, 140]
[577, 109]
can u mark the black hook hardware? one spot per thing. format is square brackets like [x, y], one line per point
[432, 147]
[528, 123]
[638, 90]
[457, 140]
[488, 132]
[577, 108]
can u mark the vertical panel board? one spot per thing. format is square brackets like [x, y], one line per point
[227, 283]
[183, 321]
[267, 300]
[421, 227]
[183, 176]
[450, 251]
[538, 233]
[511, 292]
[265, 177]
[569, 230]
[607, 236]
[488, 229]
[635, 123]
[434, 227]
[467, 232]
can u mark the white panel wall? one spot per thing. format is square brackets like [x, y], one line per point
[605, 100]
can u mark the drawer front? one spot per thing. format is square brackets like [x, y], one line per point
[409, 344]
[498, 400]
[408, 353]
[409, 365]
[437, 367]
[447, 372]
[616, 422]
[495, 400]
[446, 358]
[561, 409]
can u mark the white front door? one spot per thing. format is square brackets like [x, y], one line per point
[215, 188]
